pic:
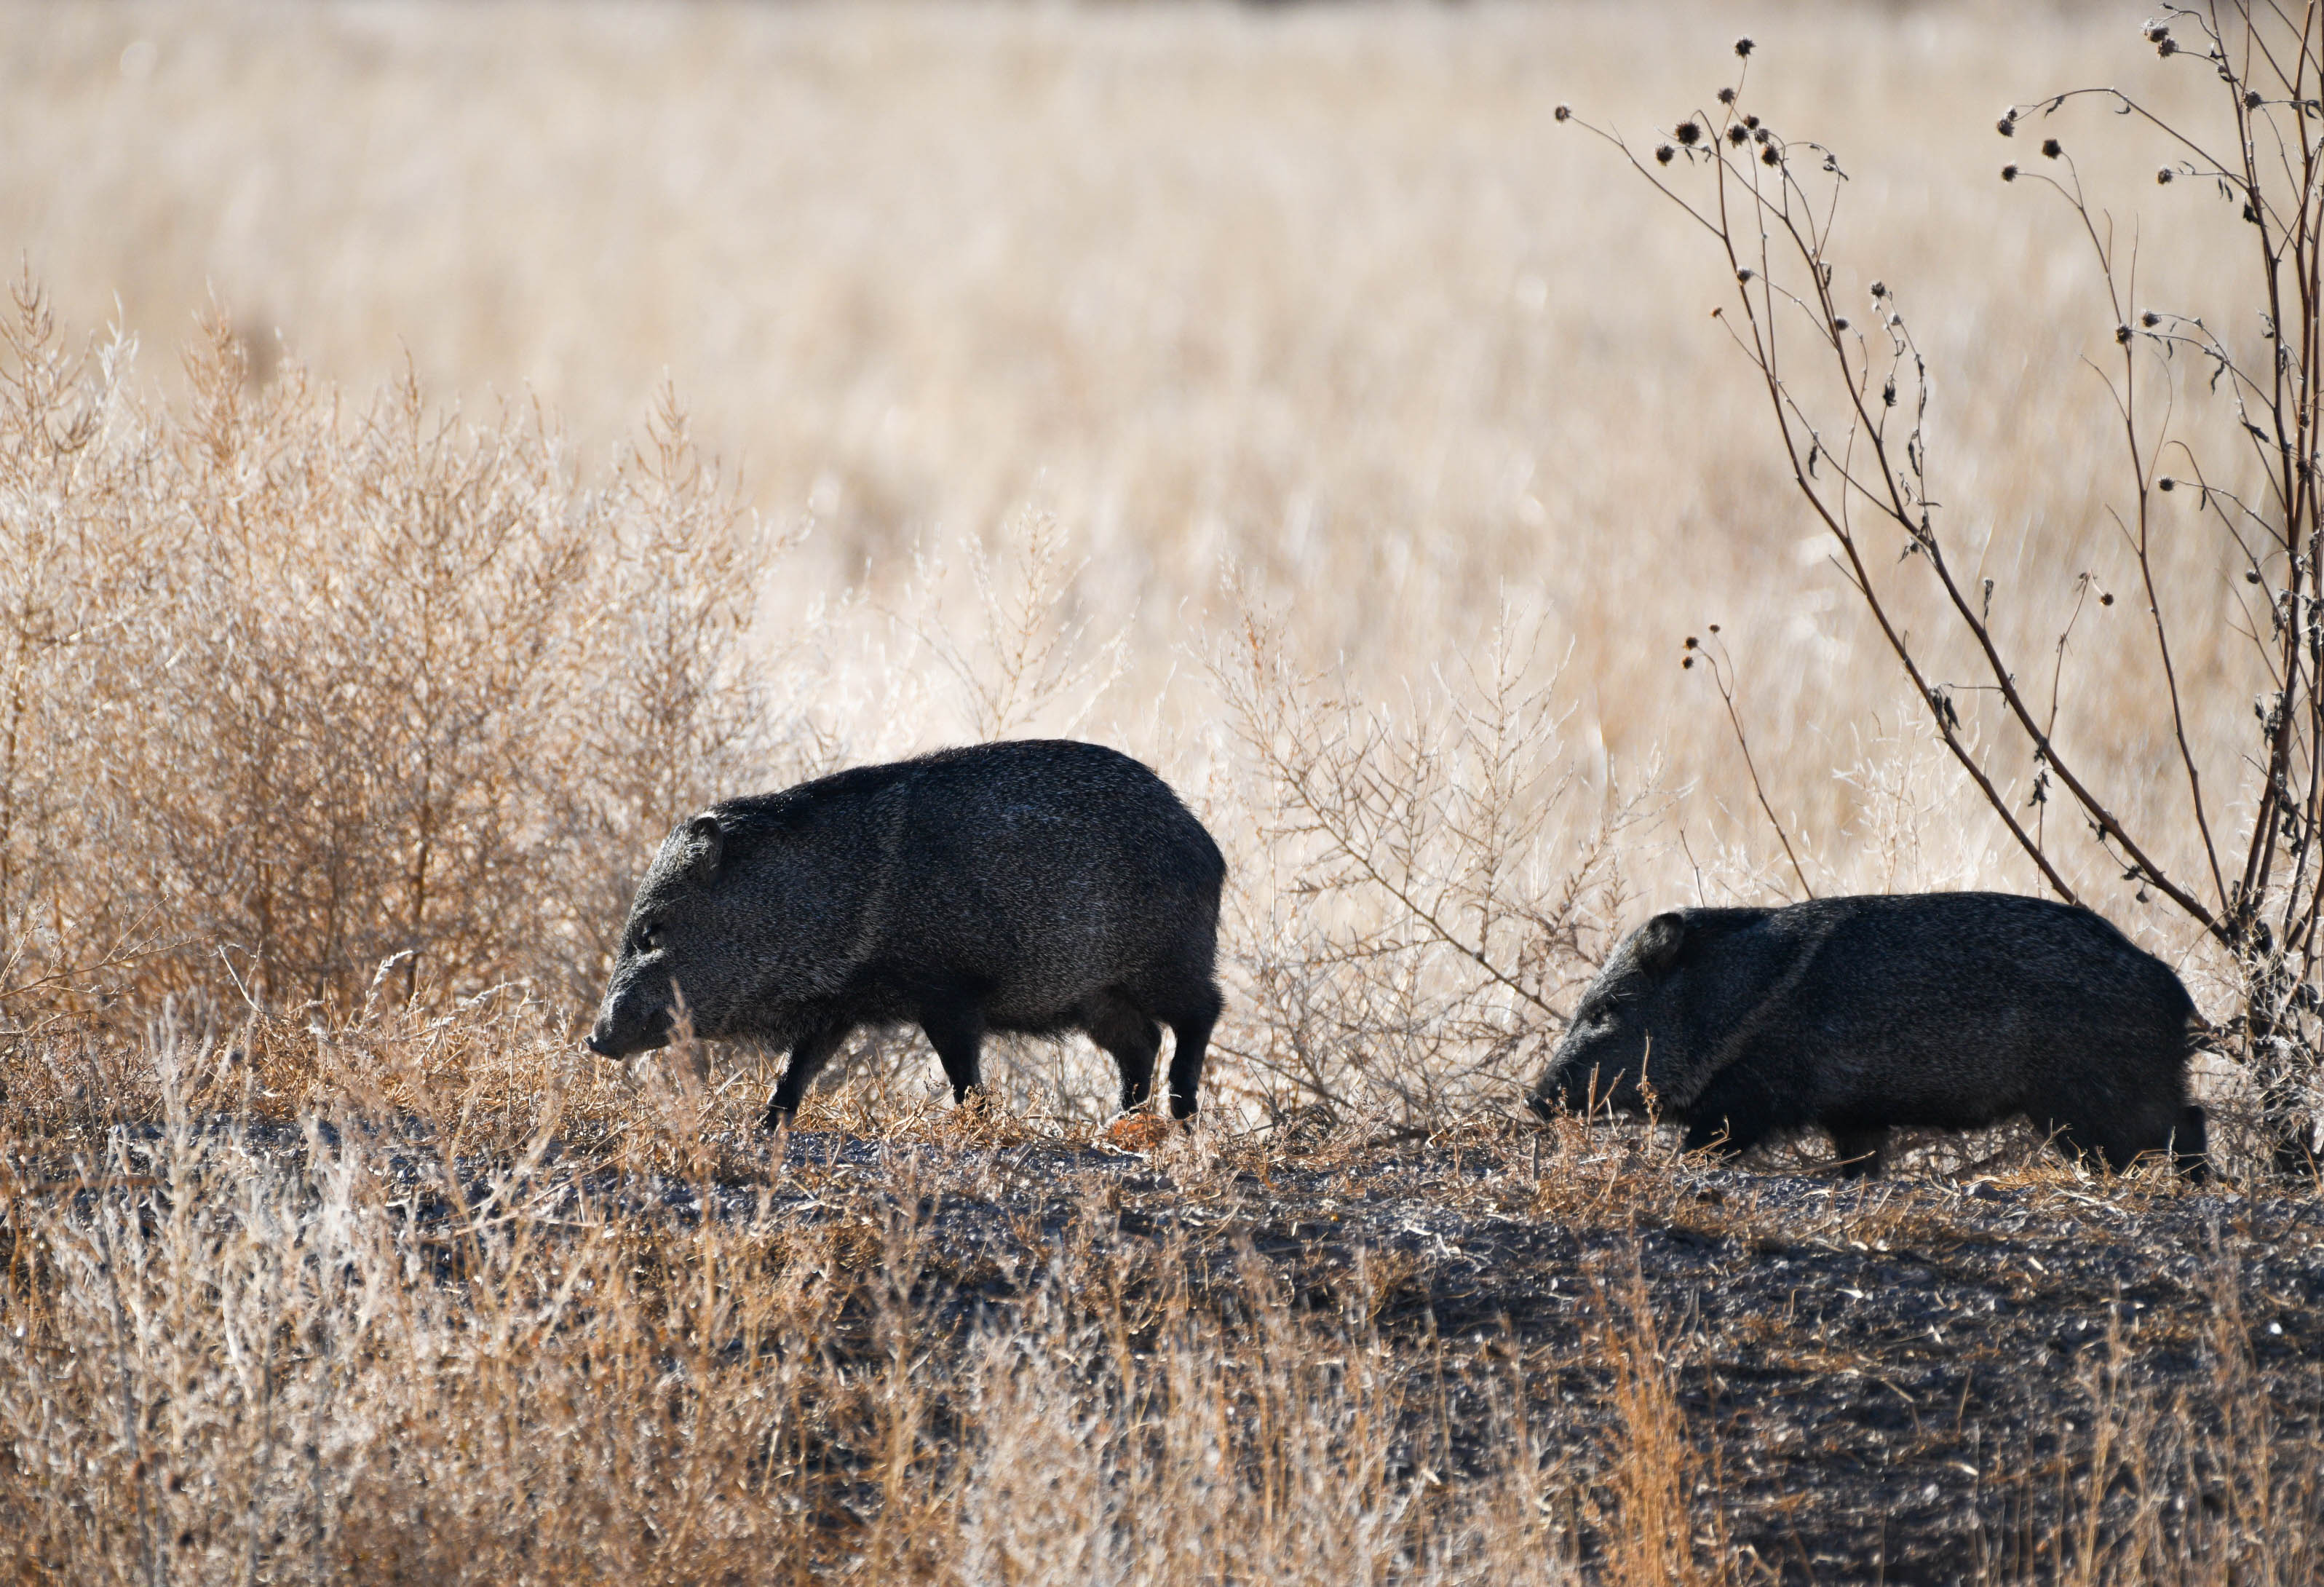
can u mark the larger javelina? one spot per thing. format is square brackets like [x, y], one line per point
[1955, 1011]
[1037, 886]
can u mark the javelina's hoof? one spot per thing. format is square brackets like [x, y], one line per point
[777, 1117]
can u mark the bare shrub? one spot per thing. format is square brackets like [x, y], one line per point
[292, 693]
[1030, 659]
[1431, 878]
[77, 588]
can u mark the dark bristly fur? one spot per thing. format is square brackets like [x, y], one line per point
[1038, 886]
[1953, 1010]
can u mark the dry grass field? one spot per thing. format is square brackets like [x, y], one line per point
[442, 445]
[1325, 297]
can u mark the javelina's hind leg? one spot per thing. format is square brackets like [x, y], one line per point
[1859, 1150]
[810, 1053]
[955, 1030]
[1115, 1024]
[1190, 1018]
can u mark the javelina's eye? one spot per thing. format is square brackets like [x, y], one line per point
[650, 939]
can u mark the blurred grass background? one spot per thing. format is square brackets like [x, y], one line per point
[1323, 292]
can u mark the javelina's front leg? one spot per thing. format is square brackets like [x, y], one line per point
[808, 1055]
[1734, 1113]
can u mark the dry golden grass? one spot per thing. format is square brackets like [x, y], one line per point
[1325, 295]
[1281, 395]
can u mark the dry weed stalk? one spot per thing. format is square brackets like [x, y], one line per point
[1721, 667]
[1646, 1519]
[1851, 409]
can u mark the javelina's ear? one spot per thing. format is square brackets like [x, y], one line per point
[1660, 940]
[710, 840]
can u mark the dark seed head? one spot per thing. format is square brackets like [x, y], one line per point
[1751, 120]
[1839, 322]
[2251, 576]
[2149, 319]
[2251, 99]
[2157, 31]
[2121, 334]
[1737, 133]
[1744, 46]
[1692, 642]
[2105, 599]
[2166, 484]
[1688, 661]
[2009, 174]
[1727, 95]
[2007, 126]
[1768, 156]
[1688, 132]
[1564, 113]
[1714, 628]
[2167, 47]
[2052, 148]
[2163, 176]
[1665, 154]
[1879, 289]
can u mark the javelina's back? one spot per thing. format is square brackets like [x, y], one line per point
[1033, 865]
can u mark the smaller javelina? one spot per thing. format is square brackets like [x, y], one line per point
[1037, 886]
[1952, 1010]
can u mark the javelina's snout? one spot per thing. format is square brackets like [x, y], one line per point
[1570, 1087]
[620, 1032]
